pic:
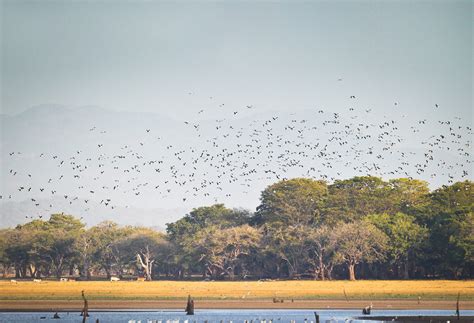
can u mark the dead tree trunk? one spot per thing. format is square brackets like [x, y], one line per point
[190, 306]
[147, 265]
[85, 309]
[457, 306]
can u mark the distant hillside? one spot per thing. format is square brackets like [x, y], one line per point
[13, 213]
[150, 169]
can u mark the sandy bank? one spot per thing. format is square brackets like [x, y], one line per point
[75, 305]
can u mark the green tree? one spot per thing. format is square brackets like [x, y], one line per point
[85, 247]
[406, 238]
[57, 241]
[38, 262]
[357, 242]
[321, 251]
[26, 251]
[206, 216]
[17, 251]
[408, 194]
[105, 238]
[5, 260]
[292, 202]
[223, 250]
[450, 218]
[351, 199]
[290, 246]
[182, 232]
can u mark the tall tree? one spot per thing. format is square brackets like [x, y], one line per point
[58, 240]
[408, 195]
[358, 242]
[320, 251]
[27, 247]
[450, 217]
[222, 250]
[292, 202]
[17, 250]
[5, 261]
[85, 247]
[351, 199]
[183, 231]
[105, 238]
[206, 216]
[406, 238]
[145, 246]
[290, 246]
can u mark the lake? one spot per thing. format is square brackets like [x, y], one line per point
[216, 316]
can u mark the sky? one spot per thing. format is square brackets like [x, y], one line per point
[148, 55]
[212, 77]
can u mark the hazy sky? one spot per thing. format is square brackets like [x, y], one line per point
[148, 55]
[408, 63]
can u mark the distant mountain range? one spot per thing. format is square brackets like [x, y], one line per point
[153, 169]
[13, 213]
[55, 130]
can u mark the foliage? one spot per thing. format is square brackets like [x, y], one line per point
[146, 246]
[450, 217]
[321, 251]
[351, 199]
[302, 228]
[206, 216]
[356, 242]
[223, 250]
[292, 202]
[288, 245]
[406, 237]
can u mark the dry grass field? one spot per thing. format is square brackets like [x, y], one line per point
[298, 290]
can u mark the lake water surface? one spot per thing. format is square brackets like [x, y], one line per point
[216, 316]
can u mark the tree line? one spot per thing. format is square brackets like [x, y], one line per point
[361, 227]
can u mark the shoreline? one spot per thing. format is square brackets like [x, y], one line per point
[172, 305]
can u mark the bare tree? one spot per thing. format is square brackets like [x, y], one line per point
[85, 247]
[145, 247]
[145, 259]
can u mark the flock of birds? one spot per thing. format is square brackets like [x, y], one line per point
[220, 157]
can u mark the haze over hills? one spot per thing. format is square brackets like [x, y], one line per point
[59, 130]
[150, 169]
[14, 213]
[231, 107]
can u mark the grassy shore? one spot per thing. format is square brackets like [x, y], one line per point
[248, 290]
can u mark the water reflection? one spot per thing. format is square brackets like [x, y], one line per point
[218, 316]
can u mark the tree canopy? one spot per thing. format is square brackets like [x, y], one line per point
[363, 227]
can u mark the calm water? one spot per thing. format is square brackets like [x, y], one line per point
[216, 316]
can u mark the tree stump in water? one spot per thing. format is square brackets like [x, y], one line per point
[85, 309]
[190, 306]
[366, 310]
[316, 315]
[457, 306]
